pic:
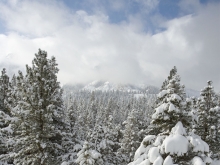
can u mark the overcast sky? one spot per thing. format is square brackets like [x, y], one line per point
[123, 41]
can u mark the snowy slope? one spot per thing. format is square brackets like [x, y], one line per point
[109, 86]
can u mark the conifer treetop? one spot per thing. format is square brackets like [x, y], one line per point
[170, 105]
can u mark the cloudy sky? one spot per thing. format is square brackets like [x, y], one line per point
[122, 41]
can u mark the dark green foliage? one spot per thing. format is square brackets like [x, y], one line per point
[4, 85]
[87, 156]
[209, 119]
[130, 141]
[5, 117]
[104, 139]
[171, 106]
[39, 110]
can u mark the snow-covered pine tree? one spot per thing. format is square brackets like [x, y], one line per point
[71, 146]
[5, 136]
[71, 113]
[166, 81]
[105, 140]
[13, 81]
[39, 109]
[171, 106]
[92, 111]
[178, 147]
[171, 143]
[129, 143]
[192, 106]
[81, 127]
[144, 112]
[4, 80]
[110, 143]
[209, 119]
[87, 156]
[69, 141]
[5, 117]
[4, 85]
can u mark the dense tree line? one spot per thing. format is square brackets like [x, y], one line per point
[43, 124]
[183, 131]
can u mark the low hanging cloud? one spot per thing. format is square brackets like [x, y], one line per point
[89, 47]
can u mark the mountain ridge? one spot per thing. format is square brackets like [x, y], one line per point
[106, 86]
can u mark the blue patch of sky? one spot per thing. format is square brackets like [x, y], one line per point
[169, 8]
[75, 5]
[117, 16]
[3, 29]
[209, 1]
[92, 7]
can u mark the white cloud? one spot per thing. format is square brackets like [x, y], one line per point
[34, 18]
[89, 47]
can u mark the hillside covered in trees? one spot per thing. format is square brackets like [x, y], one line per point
[44, 124]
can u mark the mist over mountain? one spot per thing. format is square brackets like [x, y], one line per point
[106, 86]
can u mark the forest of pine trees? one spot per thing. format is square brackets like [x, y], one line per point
[44, 124]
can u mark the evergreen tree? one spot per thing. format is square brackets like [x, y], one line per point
[192, 106]
[171, 142]
[13, 81]
[129, 142]
[92, 111]
[171, 106]
[166, 82]
[5, 118]
[71, 146]
[70, 143]
[5, 132]
[178, 147]
[71, 114]
[87, 156]
[105, 140]
[110, 143]
[209, 119]
[4, 85]
[39, 109]
[81, 126]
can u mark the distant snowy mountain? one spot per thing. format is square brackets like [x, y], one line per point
[108, 86]
[136, 88]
